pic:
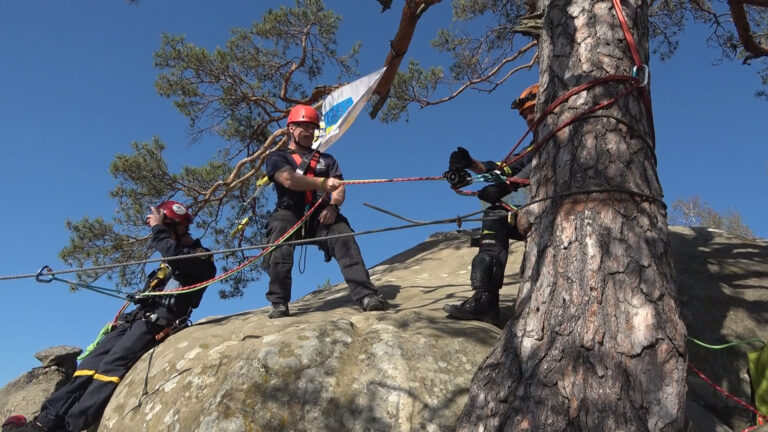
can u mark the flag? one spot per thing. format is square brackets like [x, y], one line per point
[341, 108]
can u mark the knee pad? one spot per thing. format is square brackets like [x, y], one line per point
[487, 272]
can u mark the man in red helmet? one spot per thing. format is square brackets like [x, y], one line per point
[300, 174]
[498, 227]
[80, 403]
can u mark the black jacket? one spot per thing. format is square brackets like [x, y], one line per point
[186, 271]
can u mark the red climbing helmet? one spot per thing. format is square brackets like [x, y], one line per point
[304, 113]
[175, 212]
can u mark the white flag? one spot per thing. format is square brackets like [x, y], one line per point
[342, 106]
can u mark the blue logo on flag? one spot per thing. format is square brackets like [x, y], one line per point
[335, 113]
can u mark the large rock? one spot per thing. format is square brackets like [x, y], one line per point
[25, 394]
[723, 286]
[330, 367]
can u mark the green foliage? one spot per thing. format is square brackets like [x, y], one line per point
[484, 40]
[413, 85]
[480, 45]
[325, 285]
[144, 180]
[695, 212]
[243, 89]
[240, 92]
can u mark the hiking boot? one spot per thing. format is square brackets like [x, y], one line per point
[372, 302]
[482, 306]
[279, 310]
[29, 427]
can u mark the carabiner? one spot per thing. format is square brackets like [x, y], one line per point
[45, 278]
[635, 74]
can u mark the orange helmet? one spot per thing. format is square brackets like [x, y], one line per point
[304, 113]
[527, 98]
[175, 212]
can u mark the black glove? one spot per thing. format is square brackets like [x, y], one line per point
[459, 160]
[493, 193]
[141, 301]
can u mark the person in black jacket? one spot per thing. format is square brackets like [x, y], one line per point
[301, 175]
[80, 403]
[498, 227]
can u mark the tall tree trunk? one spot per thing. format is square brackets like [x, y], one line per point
[597, 343]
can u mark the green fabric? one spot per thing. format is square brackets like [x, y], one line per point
[106, 329]
[758, 371]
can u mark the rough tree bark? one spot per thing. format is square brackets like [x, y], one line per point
[597, 343]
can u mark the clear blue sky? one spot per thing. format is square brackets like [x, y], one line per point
[76, 87]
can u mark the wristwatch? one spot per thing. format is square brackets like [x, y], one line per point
[335, 207]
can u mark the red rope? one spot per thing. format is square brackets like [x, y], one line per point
[247, 262]
[573, 119]
[638, 64]
[559, 101]
[728, 395]
[627, 33]
[250, 260]
[580, 88]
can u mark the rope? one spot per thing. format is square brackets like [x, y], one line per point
[726, 394]
[508, 159]
[723, 346]
[394, 180]
[645, 196]
[638, 63]
[267, 249]
[636, 83]
[726, 345]
[457, 220]
[306, 241]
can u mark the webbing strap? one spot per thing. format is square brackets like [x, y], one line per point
[307, 167]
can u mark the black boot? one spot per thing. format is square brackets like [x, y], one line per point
[482, 306]
[279, 310]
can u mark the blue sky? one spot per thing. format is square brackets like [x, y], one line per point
[76, 87]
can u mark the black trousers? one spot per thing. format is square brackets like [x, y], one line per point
[81, 402]
[488, 265]
[344, 250]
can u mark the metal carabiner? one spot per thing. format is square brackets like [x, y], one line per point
[645, 74]
[40, 277]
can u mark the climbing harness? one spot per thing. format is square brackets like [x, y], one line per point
[306, 167]
[157, 279]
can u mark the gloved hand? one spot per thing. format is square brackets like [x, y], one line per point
[493, 177]
[459, 160]
[493, 193]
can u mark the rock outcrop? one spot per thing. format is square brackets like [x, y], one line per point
[330, 367]
[25, 394]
